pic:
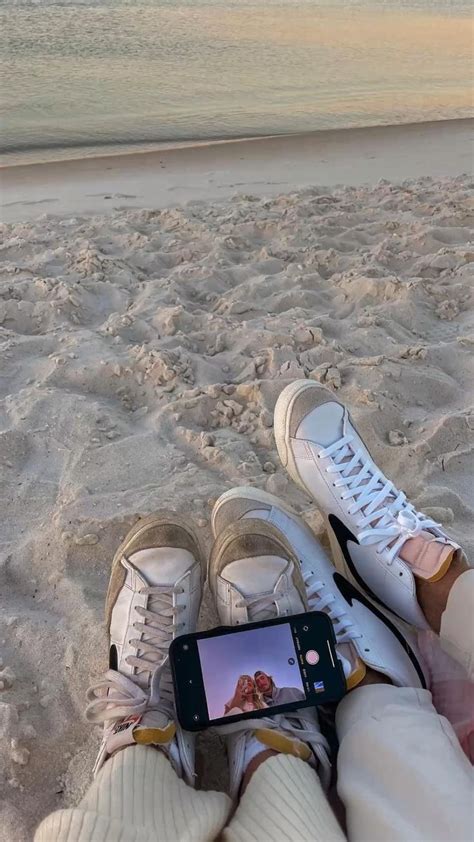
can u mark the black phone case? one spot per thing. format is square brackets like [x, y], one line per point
[335, 691]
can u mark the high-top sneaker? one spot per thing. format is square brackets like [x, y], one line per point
[255, 575]
[154, 594]
[365, 636]
[379, 541]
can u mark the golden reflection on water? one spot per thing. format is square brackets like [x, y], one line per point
[76, 74]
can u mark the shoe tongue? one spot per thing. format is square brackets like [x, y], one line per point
[324, 426]
[255, 576]
[428, 557]
[162, 565]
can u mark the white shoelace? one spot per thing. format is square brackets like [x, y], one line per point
[289, 723]
[261, 607]
[116, 696]
[157, 628]
[386, 517]
[317, 601]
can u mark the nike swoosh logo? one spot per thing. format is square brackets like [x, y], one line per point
[113, 657]
[343, 535]
[350, 593]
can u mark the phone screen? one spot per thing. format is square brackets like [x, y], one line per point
[255, 670]
[250, 670]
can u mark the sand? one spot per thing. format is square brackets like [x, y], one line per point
[142, 354]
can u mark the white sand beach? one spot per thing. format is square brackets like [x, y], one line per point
[143, 349]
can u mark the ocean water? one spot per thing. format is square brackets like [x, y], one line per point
[82, 78]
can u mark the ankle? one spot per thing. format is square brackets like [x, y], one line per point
[373, 677]
[433, 596]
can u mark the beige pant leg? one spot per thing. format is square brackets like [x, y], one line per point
[137, 797]
[284, 802]
[457, 622]
[402, 775]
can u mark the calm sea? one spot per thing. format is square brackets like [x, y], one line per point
[81, 78]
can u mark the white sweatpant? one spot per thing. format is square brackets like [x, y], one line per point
[402, 776]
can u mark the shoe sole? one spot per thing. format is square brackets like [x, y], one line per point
[234, 531]
[247, 492]
[118, 573]
[281, 426]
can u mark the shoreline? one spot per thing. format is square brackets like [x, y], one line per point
[113, 150]
[219, 169]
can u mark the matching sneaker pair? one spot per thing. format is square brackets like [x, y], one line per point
[266, 563]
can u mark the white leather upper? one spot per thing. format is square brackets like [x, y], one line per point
[393, 582]
[253, 578]
[326, 428]
[163, 565]
[176, 568]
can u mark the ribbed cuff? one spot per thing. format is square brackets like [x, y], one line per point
[284, 801]
[137, 797]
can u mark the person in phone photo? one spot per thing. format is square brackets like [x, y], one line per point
[246, 697]
[273, 695]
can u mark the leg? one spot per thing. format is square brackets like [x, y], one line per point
[384, 745]
[284, 800]
[255, 574]
[448, 606]
[154, 594]
[453, 617]
[138, 797]
[401, 772]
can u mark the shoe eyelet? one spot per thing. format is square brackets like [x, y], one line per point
[366, 650]
[401, 573]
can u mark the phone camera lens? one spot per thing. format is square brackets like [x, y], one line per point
[291, 661]
[196, 717]
[305, 628]
[185, 647]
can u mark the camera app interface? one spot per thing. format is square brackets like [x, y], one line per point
[250, 670]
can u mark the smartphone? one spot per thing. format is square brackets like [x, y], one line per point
[256, 670]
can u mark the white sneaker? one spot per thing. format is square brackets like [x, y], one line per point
[255, 575]
[365, 637]
[379, 541]
[154, 594]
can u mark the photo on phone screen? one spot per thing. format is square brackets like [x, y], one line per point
[250, 670]
[256, 670]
